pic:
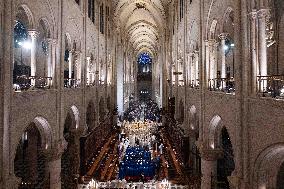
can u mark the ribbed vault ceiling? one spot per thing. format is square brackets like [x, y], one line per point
[142, 22]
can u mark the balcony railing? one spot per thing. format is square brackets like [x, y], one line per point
[72, 83]
[226, 85]
[194, 84]
[22, 83]
[271, 86]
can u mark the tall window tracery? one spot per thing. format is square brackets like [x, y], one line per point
[91, 10]
[102, 24]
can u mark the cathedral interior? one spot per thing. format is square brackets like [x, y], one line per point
[157, 94]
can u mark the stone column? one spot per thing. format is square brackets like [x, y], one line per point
[70, 61]
[49, 61]
[214, 58]
[196, 59]
[208, 170]
[212, 61]
[263, 14]
[207, 74]
[253, 52]
[54, 163]
[88, 71]
[223, 37]
[209, 159]
[33, 34]
[77, 70]
[53, 71]
[192, 73]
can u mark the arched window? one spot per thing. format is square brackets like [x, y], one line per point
[20, 34]
[144, 63]
[181, 11]
[91, 10]
[102, 24]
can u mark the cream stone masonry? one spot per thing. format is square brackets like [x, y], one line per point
[71, 84]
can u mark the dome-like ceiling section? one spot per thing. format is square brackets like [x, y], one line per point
[142, 22]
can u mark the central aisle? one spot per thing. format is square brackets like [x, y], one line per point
[139, 151]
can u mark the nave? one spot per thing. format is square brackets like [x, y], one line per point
[137, 152]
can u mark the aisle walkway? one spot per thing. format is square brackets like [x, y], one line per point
[112, 163]
[105, 165]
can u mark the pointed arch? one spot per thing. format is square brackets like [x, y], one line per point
[24, 9]
[215, 128]
[267, 165]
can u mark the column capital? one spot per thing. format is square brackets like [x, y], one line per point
[33, 33]
[207, 153]
[212, 42]
[56, 152]
[253, 14]
[223, 36]
[51, 41]
[210, 154]
[263, 13]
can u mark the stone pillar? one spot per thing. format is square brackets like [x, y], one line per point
[33, 34]
[214, 58]
[212, 61]
[196, 59]
[70, 60]
[77, 70]
[54, 167]
[207, 74]
[253, 52]
[49, 61]
[209, 159]
[208, 170]
[263, 14]
[223, 37]
[192, 73]
[54, 163]
[88, 71]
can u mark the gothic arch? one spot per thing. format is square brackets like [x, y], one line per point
[219, 139]
[193, 122]
[44, 129]
[68, 42]
[43, 22]
[213, 29]
[24, 10]
[267, 166]
[70, 157]
[31, 167]
[215, 128]
[226, 18]
[192, 36]
[75, 113]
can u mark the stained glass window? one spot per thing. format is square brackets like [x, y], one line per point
[144, 58]
[20, 34]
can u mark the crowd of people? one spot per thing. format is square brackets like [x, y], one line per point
[139, 144]
[138, 165]
[143, 110]
[152, 111]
